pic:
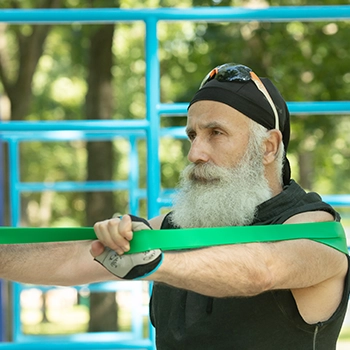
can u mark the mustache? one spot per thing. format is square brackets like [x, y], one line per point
[204, 173]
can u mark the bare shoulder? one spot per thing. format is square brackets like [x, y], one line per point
[310, 216]
[341, 265]
[156, 222]
[329, 291]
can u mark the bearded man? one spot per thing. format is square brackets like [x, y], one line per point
[285, 295]
[281, 295]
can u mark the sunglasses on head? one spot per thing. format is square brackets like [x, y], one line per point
[237, 72]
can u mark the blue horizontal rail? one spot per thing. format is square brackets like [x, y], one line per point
[215, 14]
[73, 186]
[337, 200]
[99, 344]
[164, 200]
[68, 135]
[76, 125]
[321, 107]
[138, 127]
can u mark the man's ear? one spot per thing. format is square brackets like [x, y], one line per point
[272, 144]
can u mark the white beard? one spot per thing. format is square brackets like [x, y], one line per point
[213, 196]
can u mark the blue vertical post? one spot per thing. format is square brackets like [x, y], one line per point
[2, 169]
[152, 115]
[153, 131]
[15, 207]
[2, 311]
[2, 286]
[134, 187]
[14, 181]
[2, 211]
[2, 187]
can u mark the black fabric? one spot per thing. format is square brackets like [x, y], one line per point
[139, 271]
[142, 270]
[138, 219]
[269, 321]
[246, 98]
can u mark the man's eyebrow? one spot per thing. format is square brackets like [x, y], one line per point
[210, 125]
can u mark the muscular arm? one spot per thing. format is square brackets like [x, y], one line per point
[64, 263]
[313, 272]
[249, 269]
[242, 269]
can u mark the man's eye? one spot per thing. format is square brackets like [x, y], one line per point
[216, 132]
[191, 136]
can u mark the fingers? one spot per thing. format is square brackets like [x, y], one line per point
[96, 249]
[115, 233]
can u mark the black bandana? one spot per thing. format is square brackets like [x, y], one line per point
[247, 99]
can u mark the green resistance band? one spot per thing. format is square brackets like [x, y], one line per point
[329, 233]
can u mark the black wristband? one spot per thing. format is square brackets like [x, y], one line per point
[138, 219]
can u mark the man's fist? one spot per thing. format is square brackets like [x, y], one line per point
[115, 234]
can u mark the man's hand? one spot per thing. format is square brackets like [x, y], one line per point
[114, 236]
[130, 266]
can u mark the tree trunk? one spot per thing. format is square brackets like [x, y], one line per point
[100, 205]
[306, 169]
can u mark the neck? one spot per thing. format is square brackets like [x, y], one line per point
[274, 181]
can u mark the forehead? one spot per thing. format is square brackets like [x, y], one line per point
[216, 113]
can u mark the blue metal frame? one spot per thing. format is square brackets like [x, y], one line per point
[215, 14]
[16, 132]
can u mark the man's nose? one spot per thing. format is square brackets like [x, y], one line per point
[198, 152]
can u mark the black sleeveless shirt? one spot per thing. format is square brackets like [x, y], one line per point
[185, 320]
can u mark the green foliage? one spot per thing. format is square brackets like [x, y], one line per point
[306, 60]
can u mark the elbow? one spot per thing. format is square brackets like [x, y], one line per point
[260, 282]
[266, 283]
[252, 284]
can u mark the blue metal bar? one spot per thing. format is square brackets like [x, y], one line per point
[215, 14]
[97, 344]
[73, 186]
[3, 303]
[16, 311]
[126, 127]
[172, 109]
[118, 339]
[321, 107]
[133, 177]
[79, 128]
[14, 179]
[76, 125]
[2, 189]
[68, 135]
[337, 200]
[152, 100]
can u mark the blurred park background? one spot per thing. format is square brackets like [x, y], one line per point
[77, 72]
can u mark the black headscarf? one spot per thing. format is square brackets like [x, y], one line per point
[247, 99]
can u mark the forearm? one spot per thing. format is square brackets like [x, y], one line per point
[64, 263]
[250, 269]
[219, 272]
